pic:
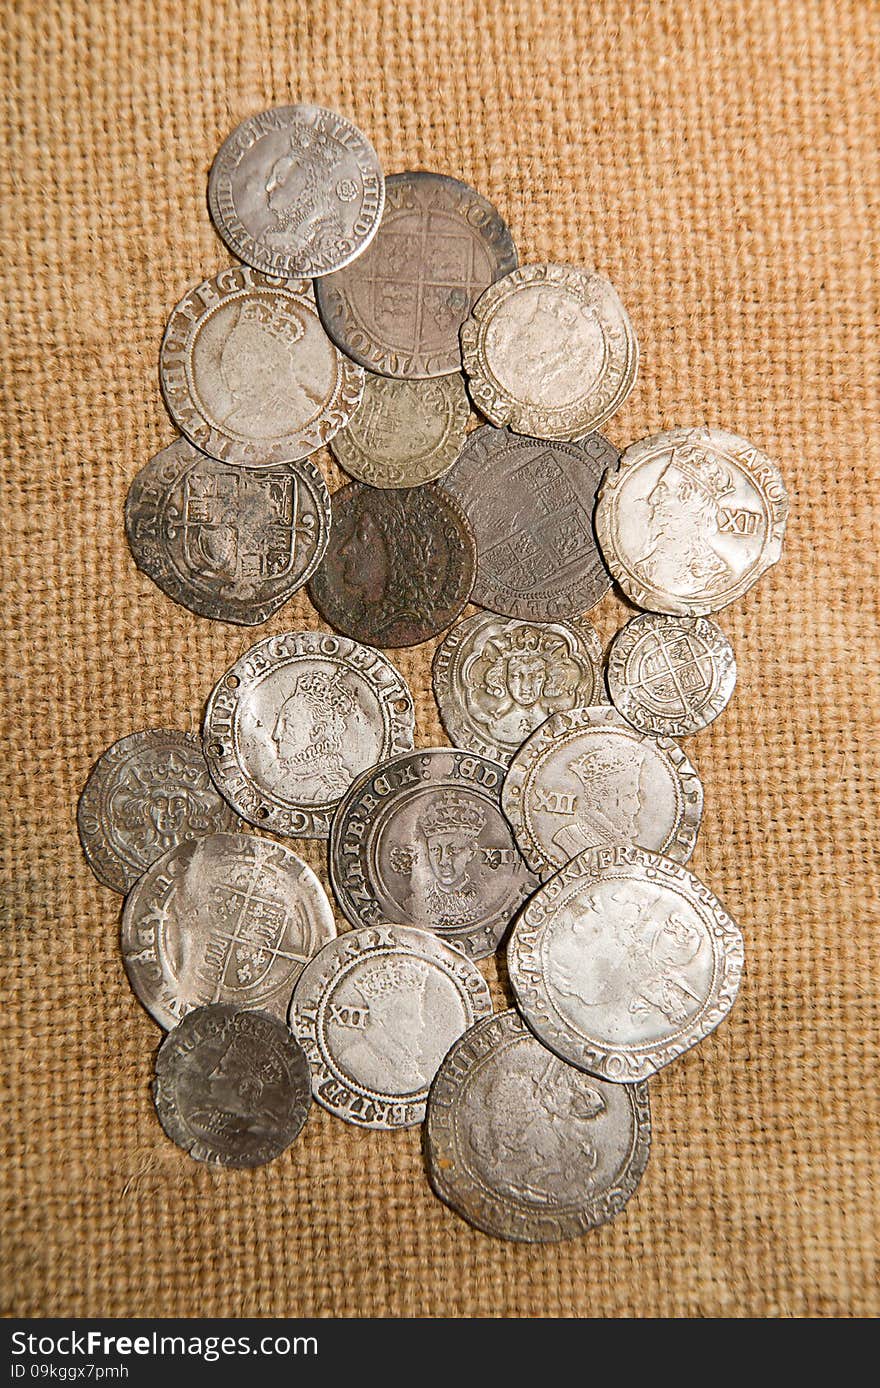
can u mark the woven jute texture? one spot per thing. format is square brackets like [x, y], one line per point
[716, 161]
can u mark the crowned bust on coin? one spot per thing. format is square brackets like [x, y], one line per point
[683, 513]
[519, 678]
[296, 190]
[608, 810]
[392, 1040]
[311, 736]
[443, 863]
[262, 371]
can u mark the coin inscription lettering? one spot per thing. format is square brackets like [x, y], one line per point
[404, 433]
[670, 675]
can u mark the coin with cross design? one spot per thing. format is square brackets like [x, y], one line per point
[670, 675]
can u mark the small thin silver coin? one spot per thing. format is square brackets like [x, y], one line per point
[376, 1012]
[145, 794]
[404, 433]
[232, 1087]
[229, 543]
[296, 191]
[295, 720]
[670, 676]
[497, 679]
[587, 779]
[421, 840]
[623, 961]
[228, 918]
[527, 1148]
[689, 520]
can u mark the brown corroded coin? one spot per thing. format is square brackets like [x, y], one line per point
[399, 567]
[399, 307]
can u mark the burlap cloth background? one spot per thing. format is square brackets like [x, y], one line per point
[716, 160]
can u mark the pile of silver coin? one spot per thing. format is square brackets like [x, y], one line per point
[373, 314]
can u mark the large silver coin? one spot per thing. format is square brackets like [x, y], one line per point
[587, 779]
[145, 794]
[296, 191]
[670, 675]
[232, 1087]
[404, 433]
[689, 520]
[623, 961]
[421, 840]
[550, 351]
[525, 1147]
[295, 720]
[228, 918]
[226, 542]
[399, 309]
[530, 505]
[248, 373]
[497, 679]
[376, 1013]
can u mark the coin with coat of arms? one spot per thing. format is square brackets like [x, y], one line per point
[421, 840]
[526, 1147]
[375, 1013]
[145, 794]
[295, 720]
[587, 779]
[670, 675]
[232, 1087]
[296, 191]
[226, 542]
[550, 350]
[689, 520]
[623, 961]
[228, 918]
[497, 679]
[530, 505]
[249, 374]
[404, 433]
[398, 309]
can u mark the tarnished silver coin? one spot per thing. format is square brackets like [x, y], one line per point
[670, 675]
[689, 520]
[497, 679]
[623, 961]
[232, 1087]
[145, 794]
[549, 350]
[227, 918]
[226, 542]
[249, 374]
[296, 191]
[421, 841]
[399, 566]
[525, 1147]
[404, 433]
[376, 1012]
[530, 505]
[295, 720]
[587, 779]
[399, 308]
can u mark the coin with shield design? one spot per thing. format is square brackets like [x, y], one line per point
[670, 675]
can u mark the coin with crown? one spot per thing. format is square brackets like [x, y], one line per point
[296, 191]
[375, 1012]
[422, 840]
[689, 520]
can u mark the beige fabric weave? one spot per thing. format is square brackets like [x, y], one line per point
[716, 159]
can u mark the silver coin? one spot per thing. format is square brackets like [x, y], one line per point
[248, 373]
[145, 794]
[497, 679]
[421, 841]
[226, 542]
[295, 720]
[376, 1012]
[404, 433]
[227, 918]
[525, 1147]
[232, 1087]
[296, 191]
[399, 309]
[670, 675]
[587, 779]
[689, 520]
[549, 350]
[530, 505]
[623, 961]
